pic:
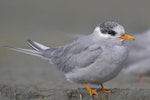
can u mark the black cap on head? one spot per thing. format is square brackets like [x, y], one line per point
[107, 27]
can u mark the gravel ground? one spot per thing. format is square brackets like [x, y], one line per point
[10, 92]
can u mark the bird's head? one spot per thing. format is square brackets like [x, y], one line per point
[112, 30]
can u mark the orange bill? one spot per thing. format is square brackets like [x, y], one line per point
[127, 37]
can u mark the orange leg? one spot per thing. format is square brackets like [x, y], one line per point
[141, 80]
[91, 91]
[105, 90]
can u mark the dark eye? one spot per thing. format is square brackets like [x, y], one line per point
[112, 33]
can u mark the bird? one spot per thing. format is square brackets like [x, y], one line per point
[92, 59]
[138, 62]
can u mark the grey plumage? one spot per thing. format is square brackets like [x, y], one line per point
[95, 58]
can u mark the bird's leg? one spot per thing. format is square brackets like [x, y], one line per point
[141, 80]
[91, 91]
[105, 90]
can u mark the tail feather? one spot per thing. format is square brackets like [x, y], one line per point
[27, 51]
[38, 49]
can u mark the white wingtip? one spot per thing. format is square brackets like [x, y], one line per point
[37, 46]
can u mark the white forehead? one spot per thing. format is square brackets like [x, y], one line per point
[119, 29]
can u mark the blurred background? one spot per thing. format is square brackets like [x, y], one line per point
[54, 23]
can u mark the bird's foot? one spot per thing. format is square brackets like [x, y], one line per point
[91, 91]
[106, 90]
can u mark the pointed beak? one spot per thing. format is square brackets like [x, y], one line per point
[127, 37]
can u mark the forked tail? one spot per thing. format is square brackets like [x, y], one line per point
[36, 46]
